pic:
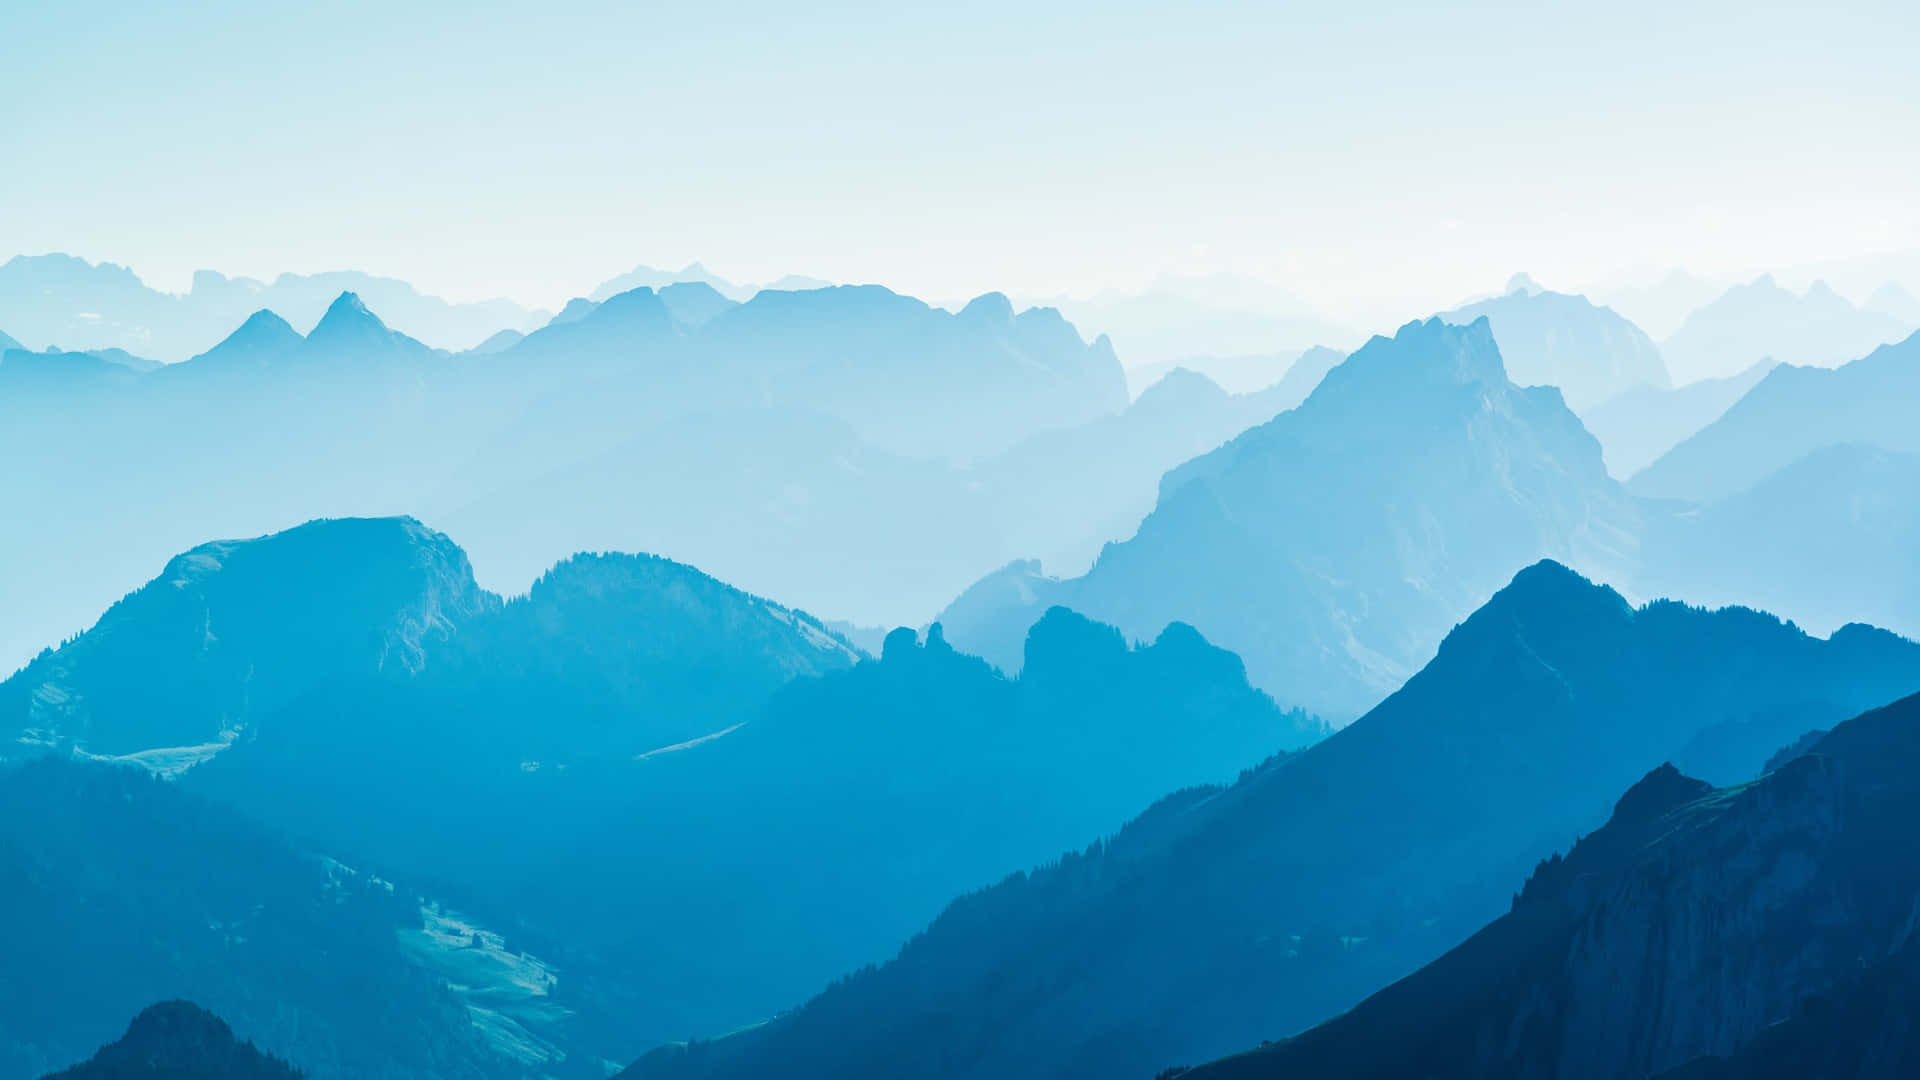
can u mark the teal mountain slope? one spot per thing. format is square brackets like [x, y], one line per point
[1224, 916]
[1762, 930]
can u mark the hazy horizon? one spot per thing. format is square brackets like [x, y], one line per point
[1372, 161]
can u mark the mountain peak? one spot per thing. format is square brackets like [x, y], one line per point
[1658, 792]
[1545, 602]
[1424, 352]
[349, 305]
[331, 597]
[1552, 584]
[577, 308]
[1179, 387]
[263, 334]
[989, 307]
[1522, 283]
[179, 1038]
[348, 322]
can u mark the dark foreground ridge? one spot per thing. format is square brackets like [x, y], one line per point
[178, 1040]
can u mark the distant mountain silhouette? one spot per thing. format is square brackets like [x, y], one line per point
[1761, 320]
[1894, 300]
[1758, 931]
[500, 342]
[1302, 376]
[1830, 539]
[263, 339]
[1226, 915]
[69, 302]
[178, 1040]
[693, 273]
[1333, 546]
[692, 303]
[851, 408]
[8, 344]
[647, 277]
[1179, 320]
[1789, 414]
[1638, 426]
[1661, 307]
[122, 890]
[1553, 339]
[1062, 494]
[27, 376]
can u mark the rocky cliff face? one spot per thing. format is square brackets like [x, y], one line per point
[1693, 932]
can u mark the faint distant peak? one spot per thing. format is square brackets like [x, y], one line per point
[577, 308]
[991, 307]
[263, 324]
[1181, 386]
[1523, 284]
[1893, 299]
[500, 341]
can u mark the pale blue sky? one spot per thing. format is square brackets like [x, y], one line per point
[1362, 153]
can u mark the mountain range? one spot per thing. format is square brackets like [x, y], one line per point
[1333, 546]
[1762, 320]
[1554, 339]
[1637, 427]
[1219, 324]
[1788, 414]
[721, 804]
[65, 301]
[781, 406]
[644, 276]
[1225, 915]
[136, 891]
[1761, 930]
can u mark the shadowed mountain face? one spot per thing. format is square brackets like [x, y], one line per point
[1333, 546]
[1227, 915]
[1788, 415]
[1755, 931]
[1553, 339]
[177, 1040]
[121, 890]
[1763, 321]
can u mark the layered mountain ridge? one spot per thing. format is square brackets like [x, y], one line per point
[1228, 915]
